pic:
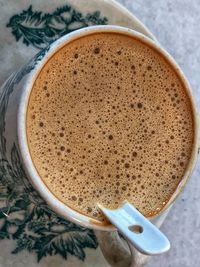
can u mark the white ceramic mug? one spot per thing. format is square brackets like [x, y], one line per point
[113, 249]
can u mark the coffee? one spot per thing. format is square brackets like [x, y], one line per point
[109, 120]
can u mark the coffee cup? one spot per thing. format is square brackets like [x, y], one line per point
[19, 87]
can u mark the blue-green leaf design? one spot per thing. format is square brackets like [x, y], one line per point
[40, 29]
[24, 216]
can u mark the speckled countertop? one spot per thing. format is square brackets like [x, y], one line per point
[176, 24]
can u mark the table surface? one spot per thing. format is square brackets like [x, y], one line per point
[175, 23]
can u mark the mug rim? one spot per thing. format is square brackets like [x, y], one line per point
[56, 205]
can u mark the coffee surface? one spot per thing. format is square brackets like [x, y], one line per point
[109, 120]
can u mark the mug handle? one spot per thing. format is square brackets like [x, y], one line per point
[117, 253]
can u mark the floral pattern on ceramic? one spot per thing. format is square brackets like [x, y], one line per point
[40, 29]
